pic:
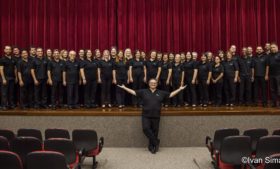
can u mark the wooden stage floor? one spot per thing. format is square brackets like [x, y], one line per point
[130, 111]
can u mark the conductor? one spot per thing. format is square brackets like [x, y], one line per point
[152, 99]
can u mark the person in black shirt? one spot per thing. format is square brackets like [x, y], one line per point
[204, 77]
[88, 69]
[55, 70]
[246, 76]
[8, 74]
[81, 86]
[166, 71]
[267, 48]
[17, 58]
[190, 74]
[159, 56]
[177, 80]
[153, 67]
[113, 53]
[49, 54]
[64, 59]
[217, 80]
[152, 100]
[171, 57]
[71, 78]
[143, 56]
[39, 75]
[230, 79]
[260, 76]
[120, 77]
[136, 75]
[105, 75]
[274, 73]
[25, 80]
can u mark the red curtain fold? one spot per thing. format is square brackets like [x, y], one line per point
[165, 25]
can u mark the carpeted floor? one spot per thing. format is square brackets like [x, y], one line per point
[141, 158]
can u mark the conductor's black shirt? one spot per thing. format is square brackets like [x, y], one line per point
[152, 101]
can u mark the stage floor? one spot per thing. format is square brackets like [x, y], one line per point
[131, 111]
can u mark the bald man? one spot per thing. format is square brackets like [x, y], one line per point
[152, 100]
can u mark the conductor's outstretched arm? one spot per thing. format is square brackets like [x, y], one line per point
[175, 92]
[127, 89]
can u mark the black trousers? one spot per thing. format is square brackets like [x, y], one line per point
[230, 90]
[178, 99]
[40, 93]
[260, 85]
[165, 87]
[7, 93]
[81, 97]
[275, 88]
[138, 83]
[25, 95]
[245, 90]
[90, 92]
[106, 90]
[150, 129]
[217, 91]
[120, 93]
[191, 91]
[56, 93]
[203, 91]
[72, 94]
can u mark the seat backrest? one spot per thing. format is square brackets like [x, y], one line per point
[267, 146]
[24, 145]
[4, 143]
[276, 132]
[64, 146]
[233, 148]
[255, 135]
[221, 134]
[10, 160]
[56, 133]
[46, 160]
[274, 162]
[30, 133]
[10, 135]
[86, 140]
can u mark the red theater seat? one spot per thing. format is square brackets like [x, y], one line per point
[56, 133]
[10, 135]
[24, 145]
[46, 160]
[215, 144]
[4, 143]
[10, 160]
[255, 135]
[30, 133]
[86, 142]
[66, 147]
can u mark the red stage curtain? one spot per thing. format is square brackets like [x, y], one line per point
[166, 25]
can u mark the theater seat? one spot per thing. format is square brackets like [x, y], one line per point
[86, 142]
[267, 146]
[276, 132]
[46, 160]
[30, 133]
[66, 147]
[219, 135]
[10, 135]
[10, 160]
[255, 135]
[233, 148]
[24, 145]
[4, 143]
[56, 133]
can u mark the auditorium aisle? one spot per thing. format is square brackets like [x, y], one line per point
[141, 158]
